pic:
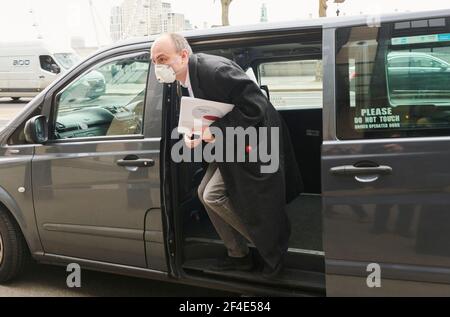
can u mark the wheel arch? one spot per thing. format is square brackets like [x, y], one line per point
[25, 221]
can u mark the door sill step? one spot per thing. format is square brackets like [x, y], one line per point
[289, 278]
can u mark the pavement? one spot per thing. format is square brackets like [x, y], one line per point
[50, 281]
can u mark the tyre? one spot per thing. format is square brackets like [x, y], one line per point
[13, 248]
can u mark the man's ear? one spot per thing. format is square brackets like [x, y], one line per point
[185, 55]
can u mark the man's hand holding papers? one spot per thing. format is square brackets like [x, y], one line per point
[195, 117]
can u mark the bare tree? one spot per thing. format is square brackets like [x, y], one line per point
[323, 6]
[225, 11]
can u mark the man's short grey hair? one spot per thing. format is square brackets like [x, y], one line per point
[180, 42]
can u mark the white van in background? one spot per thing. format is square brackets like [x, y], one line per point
[26, 68]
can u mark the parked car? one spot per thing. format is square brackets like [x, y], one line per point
[91, 181]
[409, 74]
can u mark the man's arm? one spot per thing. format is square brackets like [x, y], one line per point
[250, 103]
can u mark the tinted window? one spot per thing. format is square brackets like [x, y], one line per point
[107, 100]
[48, 63]
[392, 81]
[398, 61]
[66, 60]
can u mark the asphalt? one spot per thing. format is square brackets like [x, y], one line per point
[50, 281]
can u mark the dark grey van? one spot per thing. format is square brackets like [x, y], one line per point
[90, 180]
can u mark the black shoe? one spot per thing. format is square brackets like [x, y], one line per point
[235, 264]
[272, 273]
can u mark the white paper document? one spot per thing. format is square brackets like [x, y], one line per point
[196, 113]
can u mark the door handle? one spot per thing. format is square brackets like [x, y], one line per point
[136, 163]
[350, 170]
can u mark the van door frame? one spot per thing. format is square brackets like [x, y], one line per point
[173, 239]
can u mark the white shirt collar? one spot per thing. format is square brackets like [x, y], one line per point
[187, 83]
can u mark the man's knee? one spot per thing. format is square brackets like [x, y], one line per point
[200, 192]
[214, 196]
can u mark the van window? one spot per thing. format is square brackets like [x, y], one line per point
[107, 100]
[424, 76]
[49, 64]
[393, 80]
[66, 60]
[293, 84]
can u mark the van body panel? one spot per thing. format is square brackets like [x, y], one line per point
[414, 196]
[349, 286]
[89, 207]
[16, 191]
[394, 223]
[154, 241]
[19, 74]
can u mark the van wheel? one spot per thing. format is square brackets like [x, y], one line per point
[13, 249]
[15, 98]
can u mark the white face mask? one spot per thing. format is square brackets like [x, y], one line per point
[165, 74]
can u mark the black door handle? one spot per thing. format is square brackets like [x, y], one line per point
[354, 170]
[136, 163]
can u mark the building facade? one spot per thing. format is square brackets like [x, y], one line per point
[134, 18]
[116, 24]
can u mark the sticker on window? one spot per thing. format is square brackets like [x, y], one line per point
[376, 118]
[433, 38]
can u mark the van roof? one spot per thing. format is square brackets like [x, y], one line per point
[295, 24]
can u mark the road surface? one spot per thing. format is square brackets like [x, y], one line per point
[44, 280]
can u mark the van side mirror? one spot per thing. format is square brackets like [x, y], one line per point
[36, 130]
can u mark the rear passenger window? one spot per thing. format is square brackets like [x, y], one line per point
[393, 80]
[293, 84]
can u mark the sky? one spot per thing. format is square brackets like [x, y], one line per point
[59, 20]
